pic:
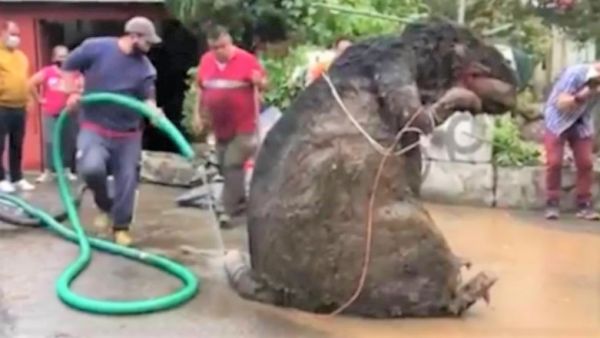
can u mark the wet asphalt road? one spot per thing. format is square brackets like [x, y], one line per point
[31, 260]
[549, 281]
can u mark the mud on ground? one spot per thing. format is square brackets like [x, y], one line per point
[549, 281]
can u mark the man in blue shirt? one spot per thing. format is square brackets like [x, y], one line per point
[110, 137]
[568, 118]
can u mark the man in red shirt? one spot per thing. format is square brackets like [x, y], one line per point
[229, 82]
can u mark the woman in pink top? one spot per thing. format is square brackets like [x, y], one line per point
[53, 100]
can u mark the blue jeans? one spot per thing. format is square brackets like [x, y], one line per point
[97, 156]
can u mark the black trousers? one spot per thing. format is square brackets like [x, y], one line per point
[12, 126]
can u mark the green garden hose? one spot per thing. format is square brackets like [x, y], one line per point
[77, 234]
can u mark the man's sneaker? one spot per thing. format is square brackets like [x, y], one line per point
[102, 221]
[23, 185]
[123, 238]
[227, 222]
[587, 212]
[552, 211]
[7, 187]
[71, 176]
[44, 177]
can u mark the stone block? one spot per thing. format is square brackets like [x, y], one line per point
[521, 187]
[462, 138]
[524, 188]
[170, 169]
[458, 183]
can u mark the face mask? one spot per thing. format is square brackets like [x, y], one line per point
[12, 41]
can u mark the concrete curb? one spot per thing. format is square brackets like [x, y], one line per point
[478, 184]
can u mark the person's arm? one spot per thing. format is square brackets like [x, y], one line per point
[150, 100]
[79, 60]
[572, 90]
[258, 75]
[148, 91]
[34, 83]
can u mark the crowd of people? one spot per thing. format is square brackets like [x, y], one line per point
[99, 140]
[106, 139]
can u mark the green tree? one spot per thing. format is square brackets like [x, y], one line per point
[320, 22]
[304, 20]
[580, 18]
[508, 21]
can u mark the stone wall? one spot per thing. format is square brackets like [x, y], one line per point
[458, 169]
[457, 161]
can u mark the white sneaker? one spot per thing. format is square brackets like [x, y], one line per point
[24, 185]
[44, 177]
[7, 187]
[70, 175]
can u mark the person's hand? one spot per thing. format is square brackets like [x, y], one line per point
[256, 78]
[157, 115]
[585, 93]
[73, 102]
[568, 103]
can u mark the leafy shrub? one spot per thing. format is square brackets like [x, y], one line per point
[189, 107]
[286, 76]
[509, 150]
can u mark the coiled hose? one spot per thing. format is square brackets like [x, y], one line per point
[12, 214]
[77, 234]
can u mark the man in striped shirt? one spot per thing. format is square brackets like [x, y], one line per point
[568, 118]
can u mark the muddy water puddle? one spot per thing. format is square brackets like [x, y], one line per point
[549, 274]
[549, 280]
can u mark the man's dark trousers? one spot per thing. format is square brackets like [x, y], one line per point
[98, 155]
[12, 126]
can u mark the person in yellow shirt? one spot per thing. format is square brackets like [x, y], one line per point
[14, 71]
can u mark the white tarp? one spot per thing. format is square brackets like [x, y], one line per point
[267, 120]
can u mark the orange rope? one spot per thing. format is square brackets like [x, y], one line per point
[369, 224]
